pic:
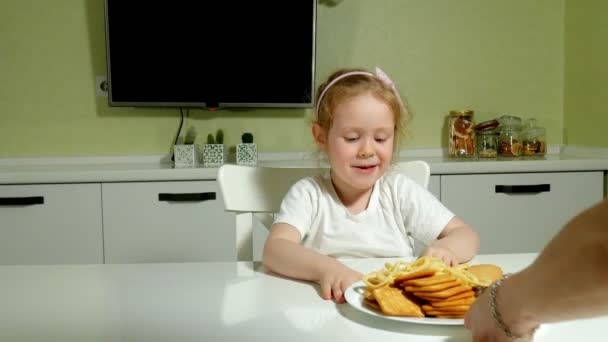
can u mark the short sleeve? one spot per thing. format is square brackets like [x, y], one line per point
[298, 206]
[424, 215]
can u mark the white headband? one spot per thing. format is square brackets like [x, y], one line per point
[380, 75]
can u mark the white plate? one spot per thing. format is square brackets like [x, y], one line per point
[354, 297]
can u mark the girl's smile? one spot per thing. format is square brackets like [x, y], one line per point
[366, 169]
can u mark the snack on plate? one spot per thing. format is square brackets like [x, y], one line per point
[392, 302]
[427, 287]
[486, 273]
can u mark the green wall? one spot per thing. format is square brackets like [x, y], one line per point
[586, 73]
[497, 57]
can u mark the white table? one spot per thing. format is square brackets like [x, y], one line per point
[211, 302]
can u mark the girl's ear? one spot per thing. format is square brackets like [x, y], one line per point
[320, 135]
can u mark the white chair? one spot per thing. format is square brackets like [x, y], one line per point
[418, 170]
[256, 192]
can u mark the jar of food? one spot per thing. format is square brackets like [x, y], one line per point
[509, 140]
[461, 136]
[533, 139]
[487, 143]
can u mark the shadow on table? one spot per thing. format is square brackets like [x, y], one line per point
[452, 333]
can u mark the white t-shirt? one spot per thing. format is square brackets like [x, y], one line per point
[398, 210]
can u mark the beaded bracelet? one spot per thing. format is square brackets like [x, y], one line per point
[498, 317]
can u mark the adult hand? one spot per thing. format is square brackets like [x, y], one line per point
[480, 322]
[443, 253]
[483, 327]
[335, 279]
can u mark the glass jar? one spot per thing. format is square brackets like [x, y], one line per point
[487, 143]
[509, 120]
[533, 139]
[461, 136]
[509, 140]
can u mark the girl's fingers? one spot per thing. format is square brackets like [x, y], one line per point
[338, 294]
[325, 291]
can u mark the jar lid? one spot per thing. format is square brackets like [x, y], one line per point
[463, 112]
[510, 120]
[535, 131]
[510, 128]
[488, 132]
[487, 125]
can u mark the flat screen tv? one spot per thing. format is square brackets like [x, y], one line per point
[209, 54]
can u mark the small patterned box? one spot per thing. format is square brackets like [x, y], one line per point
[247, 154]
[186, 155]
[213, 155]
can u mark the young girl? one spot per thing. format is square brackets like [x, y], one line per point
[357, 209]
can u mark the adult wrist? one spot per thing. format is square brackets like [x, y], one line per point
[513, 322]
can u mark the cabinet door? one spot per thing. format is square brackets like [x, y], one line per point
[50, 224]
[166, 222]
[519, 212]
[435, 185]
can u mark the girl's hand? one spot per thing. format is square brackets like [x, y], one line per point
[335, 279]
[442, 253]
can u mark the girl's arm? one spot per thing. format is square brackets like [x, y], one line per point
[457, 243]
[284, 255]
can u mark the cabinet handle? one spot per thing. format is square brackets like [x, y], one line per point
[22, 200]
[191, 197]
[523, 189]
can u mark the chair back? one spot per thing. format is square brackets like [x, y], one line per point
[418, 170]
[254, 192]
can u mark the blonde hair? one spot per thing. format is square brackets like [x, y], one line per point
[355, 85]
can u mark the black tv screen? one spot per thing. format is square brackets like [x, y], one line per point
[185, 53]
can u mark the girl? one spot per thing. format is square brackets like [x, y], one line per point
[357, 209]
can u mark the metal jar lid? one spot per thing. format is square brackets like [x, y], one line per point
[488, 132]
[463, 112]
[487, 125]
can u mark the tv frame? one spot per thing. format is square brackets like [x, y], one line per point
[216, 105]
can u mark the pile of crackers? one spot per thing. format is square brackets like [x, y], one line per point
[426, 294]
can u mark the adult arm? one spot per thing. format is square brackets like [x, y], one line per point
[568, 280]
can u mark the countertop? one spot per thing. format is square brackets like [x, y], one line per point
[159, 168]
[215, 301]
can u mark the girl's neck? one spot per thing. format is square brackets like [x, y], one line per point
[355, 200]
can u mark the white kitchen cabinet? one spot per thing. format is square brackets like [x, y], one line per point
[519, 212]
[182, 221]
[435, 185]
[50, 224]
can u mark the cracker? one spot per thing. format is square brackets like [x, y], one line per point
[434, 287]
[393, 302]
[436, 279]
[372, 303]
[456, 308]
[446, 314]
[450, 316]
[413, 275]
[463, 295]
[464, 301]
[445, 293]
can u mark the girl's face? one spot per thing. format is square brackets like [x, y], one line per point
[359, 144]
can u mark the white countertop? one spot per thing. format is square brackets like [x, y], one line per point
[159, 168]
[213, 301]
